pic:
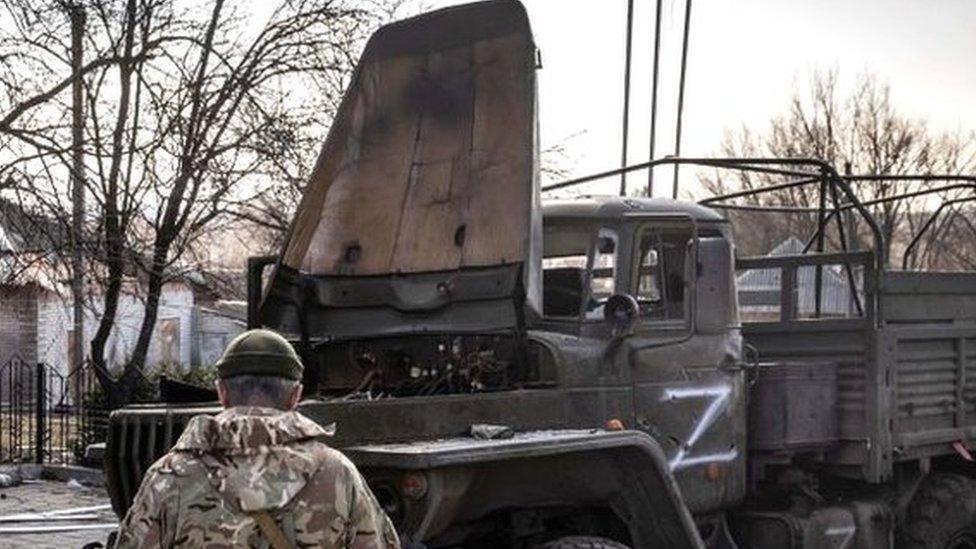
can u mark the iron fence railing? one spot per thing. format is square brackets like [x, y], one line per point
[48, 414]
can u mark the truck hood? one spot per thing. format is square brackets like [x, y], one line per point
[426, 186]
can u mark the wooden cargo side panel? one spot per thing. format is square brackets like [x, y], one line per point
[924, 297]
[429, 167]
[496, 210]
[934, 389]
[333, 158]
[360, 216]
[362, 178]
[848, 348]
[927, 377]
[968, 352]
[441, 168]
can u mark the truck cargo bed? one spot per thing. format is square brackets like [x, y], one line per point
[906, 365]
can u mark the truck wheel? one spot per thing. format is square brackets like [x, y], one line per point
[942, 514]
[584, 542]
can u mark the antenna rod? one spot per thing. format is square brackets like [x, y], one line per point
[626, 121]
[681, 95]
[657, 63]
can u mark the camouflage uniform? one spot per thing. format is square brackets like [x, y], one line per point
[254, 459]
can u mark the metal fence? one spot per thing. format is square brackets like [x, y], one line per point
[48, 415]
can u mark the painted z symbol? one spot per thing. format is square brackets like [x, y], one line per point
[719, 403]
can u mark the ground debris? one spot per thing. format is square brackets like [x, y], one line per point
[55, 502]
[484, 431]
[57, 528]
[6, 481]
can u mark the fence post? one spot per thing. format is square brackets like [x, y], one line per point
[39, 413]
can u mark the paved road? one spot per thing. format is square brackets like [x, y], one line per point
[50, 496]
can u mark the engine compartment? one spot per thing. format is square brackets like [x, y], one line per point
[409, 366]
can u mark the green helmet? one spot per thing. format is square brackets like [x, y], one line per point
[260, 353]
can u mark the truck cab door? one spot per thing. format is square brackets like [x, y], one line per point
[689, 386]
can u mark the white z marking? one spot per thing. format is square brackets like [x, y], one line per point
[720, 400]
[846, 531]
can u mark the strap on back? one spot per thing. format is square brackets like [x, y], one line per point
[271, 530]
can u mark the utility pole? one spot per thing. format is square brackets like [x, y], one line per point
[77, 14]
[654, 79]
[626, 120]
[681, 95]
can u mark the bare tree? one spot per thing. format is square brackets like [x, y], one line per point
[863, 131]
[196, 112]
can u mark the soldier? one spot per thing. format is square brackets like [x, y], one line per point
[258, 474]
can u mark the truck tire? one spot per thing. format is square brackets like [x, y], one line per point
[584, 542]
[941, 515]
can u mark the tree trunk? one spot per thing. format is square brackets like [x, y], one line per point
[172, 220]
[154, 290]
[112, 225]
[112, 291]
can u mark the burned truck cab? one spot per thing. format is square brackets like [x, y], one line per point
[680, 356]
[621, 392]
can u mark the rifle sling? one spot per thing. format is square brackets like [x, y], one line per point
[271, 530]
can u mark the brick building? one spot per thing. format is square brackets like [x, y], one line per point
[36, 318]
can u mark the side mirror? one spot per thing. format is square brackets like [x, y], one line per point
[714, 289]
[621, 313]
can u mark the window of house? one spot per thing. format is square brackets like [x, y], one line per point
[661, 277]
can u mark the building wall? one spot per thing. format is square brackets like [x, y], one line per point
[54, 324]
[172, 335]
[18, 323]
[18, 341]
[213, 332]
[36, 325]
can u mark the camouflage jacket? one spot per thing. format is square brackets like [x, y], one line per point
[246, 460]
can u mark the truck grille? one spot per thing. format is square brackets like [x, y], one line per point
[138, 436]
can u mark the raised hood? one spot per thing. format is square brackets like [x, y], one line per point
[422, 211]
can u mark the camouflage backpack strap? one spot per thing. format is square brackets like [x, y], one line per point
[271, 530]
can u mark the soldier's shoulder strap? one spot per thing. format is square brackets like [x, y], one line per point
[271, 530]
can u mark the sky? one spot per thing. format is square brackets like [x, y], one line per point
[746, 57]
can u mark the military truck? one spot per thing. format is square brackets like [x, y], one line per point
[582, 372]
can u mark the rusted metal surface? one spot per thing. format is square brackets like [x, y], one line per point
[429, 164]
[793, 406]
[574, 465]
[430, 167]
